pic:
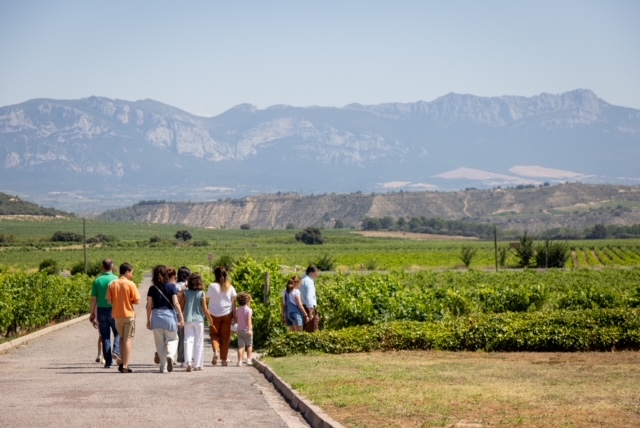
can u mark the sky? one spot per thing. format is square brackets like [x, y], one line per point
[207, 56]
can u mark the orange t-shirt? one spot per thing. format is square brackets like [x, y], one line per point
[123, 294]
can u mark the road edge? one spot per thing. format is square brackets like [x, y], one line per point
[314, 415]
[7, 346]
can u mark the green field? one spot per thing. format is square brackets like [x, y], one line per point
[27, 243]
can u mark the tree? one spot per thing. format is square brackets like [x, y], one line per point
[467, 253]
[599, 231]
[387, 222]
[60, 236]
[49, 266]
[552, 254]
[183, 234]
[310, 236]
[371, 223]
[338, 224]
[524, 251]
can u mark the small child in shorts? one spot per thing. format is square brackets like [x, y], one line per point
[245, 327]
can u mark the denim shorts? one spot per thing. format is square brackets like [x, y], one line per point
[295, 316]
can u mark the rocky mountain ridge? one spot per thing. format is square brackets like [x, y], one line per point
[97, 148]
[534, 209]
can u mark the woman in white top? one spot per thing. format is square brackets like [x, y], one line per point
[222, 306]
[296, 313]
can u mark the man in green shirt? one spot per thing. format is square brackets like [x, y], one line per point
[101, 314]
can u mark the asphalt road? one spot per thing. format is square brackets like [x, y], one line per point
[54, 381]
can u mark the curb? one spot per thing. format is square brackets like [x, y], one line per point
[312, 413]
[31, 336]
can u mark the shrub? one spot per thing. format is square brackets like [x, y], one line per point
[185, 235]
[467, 253]
[155, 239]
[290, 226]
[245, 226]
[310, 236]
[201, 243]
[94, 268]
[225, 261]
[30, 301]
[325, 263]
[60, 236]
[552, 254]
[49, 266]
[524, 251]
[503, 255]
[558, 331]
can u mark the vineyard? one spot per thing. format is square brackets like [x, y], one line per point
[27, 243]
[395, 293]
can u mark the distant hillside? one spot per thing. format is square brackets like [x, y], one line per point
[13, 205]
[529, 208]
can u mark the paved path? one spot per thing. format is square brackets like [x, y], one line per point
[54, 381]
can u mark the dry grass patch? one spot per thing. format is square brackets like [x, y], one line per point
[414, 236]
[445, 389]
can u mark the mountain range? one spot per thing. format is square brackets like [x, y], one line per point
[96, 153]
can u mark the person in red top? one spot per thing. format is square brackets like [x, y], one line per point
[123, 294]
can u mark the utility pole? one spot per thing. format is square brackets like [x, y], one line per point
[84, 244]
[495, 244]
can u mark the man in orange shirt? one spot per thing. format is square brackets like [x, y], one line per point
[123, 294]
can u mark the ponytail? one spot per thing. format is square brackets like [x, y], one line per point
[222, 278]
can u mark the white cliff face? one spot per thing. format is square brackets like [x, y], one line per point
[118, 138]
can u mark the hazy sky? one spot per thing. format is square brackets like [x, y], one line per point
[207, 56]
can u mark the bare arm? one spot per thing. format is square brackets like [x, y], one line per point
[94, 311]
[206, 310]
[149, 309]
[176, 306]
[299, 302]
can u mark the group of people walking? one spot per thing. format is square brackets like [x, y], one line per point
[175, 312]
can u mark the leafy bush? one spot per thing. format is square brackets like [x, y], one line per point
[60, 236]
[245, 226]
[225, 261]
[467, 253]
[325, 263]
[552, 254]
[94, 268]
[524, 251]
[49, 266]
[558, 331]
[185, 235]
[30, 301]
[201, 243]
[249, 275]
[310, 236]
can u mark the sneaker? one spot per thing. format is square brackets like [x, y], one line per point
[117, 358]
[156, 358]
[215, 359]
[239, 364]
[189, 368]
[102, 360]
[225, 364]
[182, 365]
[198, 369]
[169, 364]
[249, 363]
[107, 366]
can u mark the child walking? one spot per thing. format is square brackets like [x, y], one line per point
[245, 327]
[195, 309]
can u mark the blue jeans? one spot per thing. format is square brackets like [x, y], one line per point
[107, 324]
